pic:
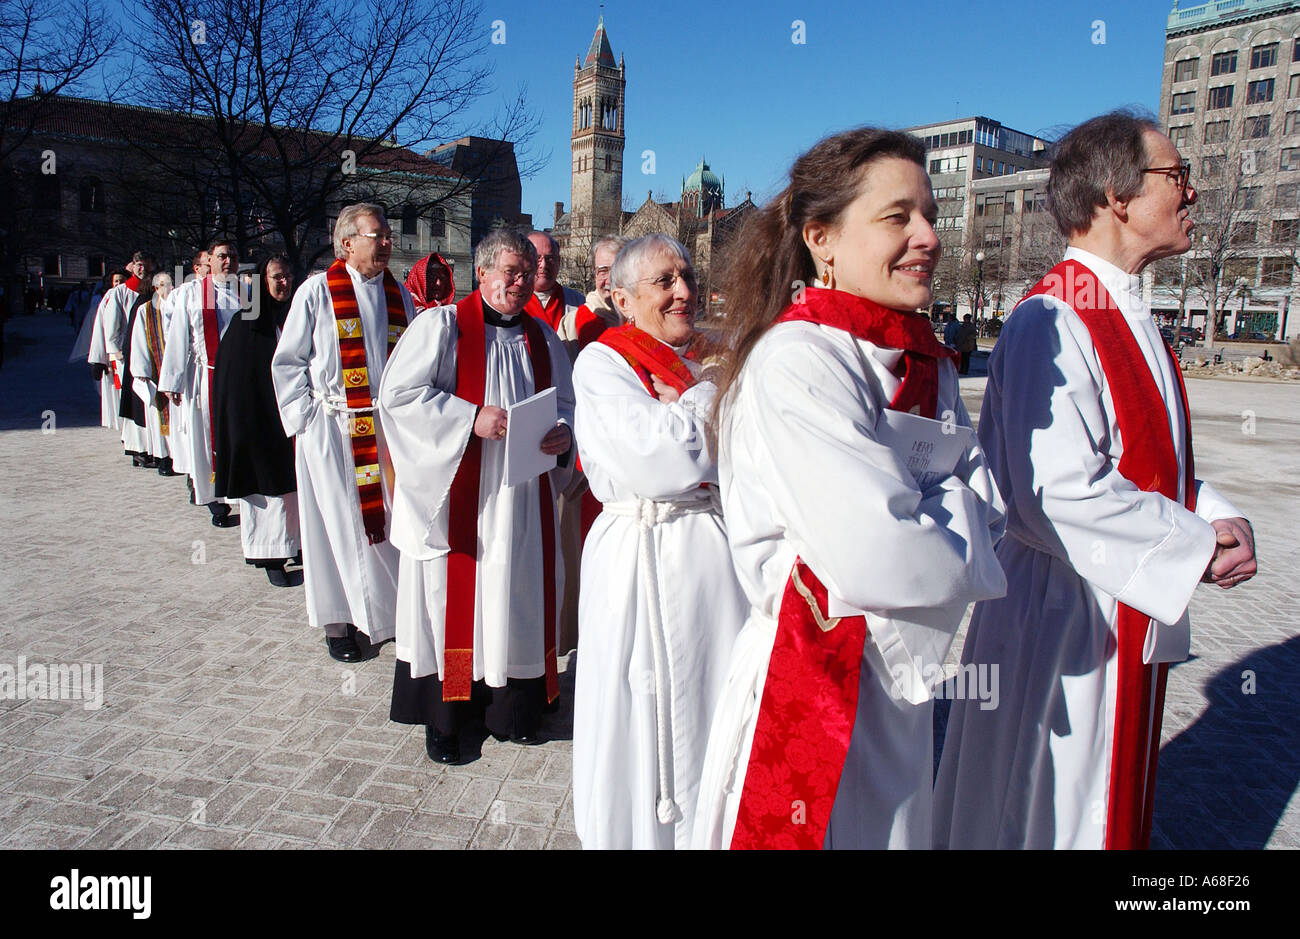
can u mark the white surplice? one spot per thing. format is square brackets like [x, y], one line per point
[144, 375]
[1034, 772]
[107, 318]
[428, 429]
[346, 578]
[186, 348]
[803, 476]
[116, 316]
[178, 374]
[659, 611]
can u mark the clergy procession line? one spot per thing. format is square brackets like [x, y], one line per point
[761, 543]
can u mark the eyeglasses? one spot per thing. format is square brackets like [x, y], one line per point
[667, 282]
[383, 238]
[512, 275]
[1179, 174]
[604, 269]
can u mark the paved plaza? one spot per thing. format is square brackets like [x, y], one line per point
[224, 724]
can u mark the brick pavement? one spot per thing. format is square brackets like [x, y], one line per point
[226, 725]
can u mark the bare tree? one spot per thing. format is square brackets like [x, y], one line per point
[297, 106]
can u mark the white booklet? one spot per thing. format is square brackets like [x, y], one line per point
[527, 422]
[930, 449]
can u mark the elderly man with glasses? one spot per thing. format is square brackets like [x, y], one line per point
[341, 328]
[1087, 430]
[481, 573]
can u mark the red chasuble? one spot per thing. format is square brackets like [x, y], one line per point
[810, 696]
[463, 508]
[1150, 462]
[356, 386]
[552, 313]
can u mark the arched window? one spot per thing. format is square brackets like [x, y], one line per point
[92, 194]
[438, 222]
[410, 220]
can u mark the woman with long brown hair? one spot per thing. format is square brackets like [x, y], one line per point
[860, 515]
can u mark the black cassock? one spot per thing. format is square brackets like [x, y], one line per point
[253, 455]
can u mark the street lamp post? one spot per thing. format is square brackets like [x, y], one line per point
[979, 287]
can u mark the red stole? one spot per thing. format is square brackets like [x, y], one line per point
[1150, 462]
[587, 326]
[810, 697]
[648, 356]
[131, 283]
[553, 312]
[356, 386]
[463, 508]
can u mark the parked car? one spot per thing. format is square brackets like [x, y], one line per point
[1191, 333]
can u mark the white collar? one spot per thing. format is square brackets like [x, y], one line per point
[1125, 288]
[358, 276]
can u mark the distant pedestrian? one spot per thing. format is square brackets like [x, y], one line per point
[966, 343]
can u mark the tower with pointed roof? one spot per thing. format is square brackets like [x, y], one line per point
[597, 144]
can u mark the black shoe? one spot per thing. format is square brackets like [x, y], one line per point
[228, 520]
[343, 649]
[529, 738]
[369, 650]
[442, 748]
[277, 577]
[165, 468]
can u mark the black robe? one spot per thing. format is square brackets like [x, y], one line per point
[132, 405]
[253, 455]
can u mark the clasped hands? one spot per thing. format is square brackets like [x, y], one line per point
[491, 425]
[1234, 553]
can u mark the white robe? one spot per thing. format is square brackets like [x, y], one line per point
[1034, 772]
[642, 456]
[116, 315]
[177, 374]
[186, 348]
[346, 579]
[144, 374]
[268, 526]
[110, 397]
[803, 475]
[428, 429]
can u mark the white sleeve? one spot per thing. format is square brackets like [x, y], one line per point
[653, 449]
[176, 351]
[1047, 438]
[292, 360]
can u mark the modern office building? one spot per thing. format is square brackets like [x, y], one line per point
[1230, 101]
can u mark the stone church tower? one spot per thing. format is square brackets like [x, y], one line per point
[596, 205]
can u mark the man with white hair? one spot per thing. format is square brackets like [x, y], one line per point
[480, 572]
[336, 340]
[551, 303]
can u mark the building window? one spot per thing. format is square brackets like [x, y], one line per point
[1236, 269]
[1223, 63]
[1243, 233]
[1179, 135]
[1286, 230]
[607, 163]
[95, 265]
[1209, 200]
[1290, 158]
[1185, 103]
[1250, 197]
[1260, 91]
[1185, 70]
[1264, 56]
[92, 194]
[1217, 131]
[1277, 272]
[1255, 127]
[1292, 123]
[1295, 51]
[50, 265]
[1220, 97]
[1212, 167]
[1288, 195]
[438, 222]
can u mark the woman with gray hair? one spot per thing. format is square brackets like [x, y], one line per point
[660, 605]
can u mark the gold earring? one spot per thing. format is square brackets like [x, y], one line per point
[829, 277]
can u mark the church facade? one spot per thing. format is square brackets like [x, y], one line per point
[699, 219]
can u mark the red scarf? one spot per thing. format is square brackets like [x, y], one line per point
[132, 283]
[588, 326]
[648, 356]
[356, 386]
[553, 312]
[463, 508]
[810, 697]
[417, 282]
[1150, 462]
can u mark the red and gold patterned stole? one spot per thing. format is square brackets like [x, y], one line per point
[463, 508]
[648, 356]
[356, 387]
[553, 312]
[810, 697]
[1150, 462]
[154, 338]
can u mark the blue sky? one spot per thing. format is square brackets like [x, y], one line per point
[725, 80]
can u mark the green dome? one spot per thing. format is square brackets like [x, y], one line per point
[702, 179]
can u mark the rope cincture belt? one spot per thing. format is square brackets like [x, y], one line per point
[650, 513]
